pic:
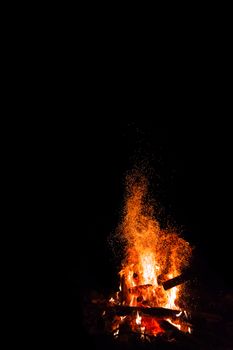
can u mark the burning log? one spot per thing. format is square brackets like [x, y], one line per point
[173, 282]
[186, 340]
[200, 318]
[138, 289]
[159, 312]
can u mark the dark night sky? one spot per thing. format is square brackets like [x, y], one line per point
[87, 168]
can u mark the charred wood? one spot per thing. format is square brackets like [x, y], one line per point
[151, 311]
[138, 289]
[173, 282]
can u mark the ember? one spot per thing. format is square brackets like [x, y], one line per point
[151, 275]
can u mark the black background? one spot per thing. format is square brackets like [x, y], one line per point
[84, 180]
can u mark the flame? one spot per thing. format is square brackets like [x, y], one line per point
[147, 263]
[115, 334]
[138, 319]
[174, 324]
[152, 255]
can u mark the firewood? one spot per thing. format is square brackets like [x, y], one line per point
[138, 289]
[199, 317]
[159, 312]
[173, 282]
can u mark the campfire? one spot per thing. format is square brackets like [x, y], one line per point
[161, 294]
[151, 300]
